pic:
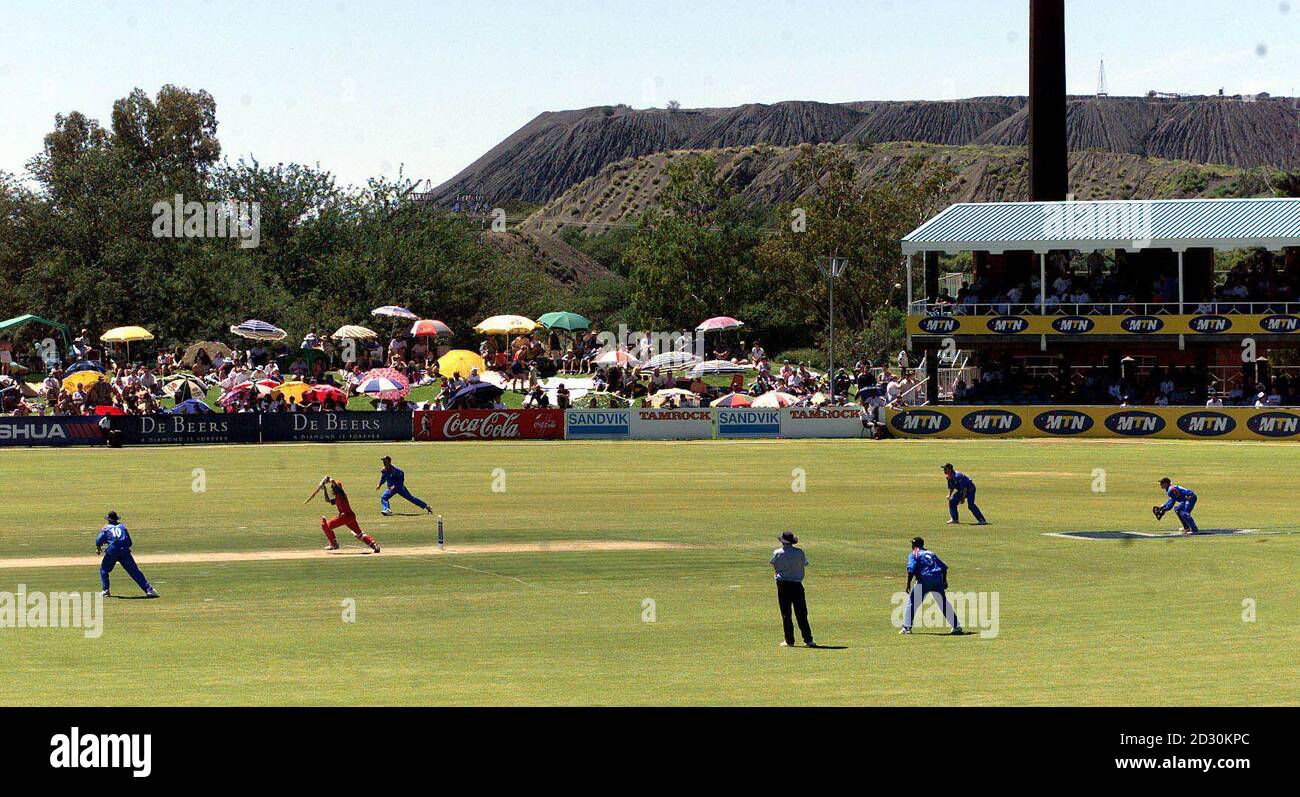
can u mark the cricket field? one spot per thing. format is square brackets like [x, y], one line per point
[636, 573]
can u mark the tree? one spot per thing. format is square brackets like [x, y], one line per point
[692, 257]
[861, 223]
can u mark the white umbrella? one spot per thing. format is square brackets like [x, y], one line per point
[616, 357]
[716, 367]
[775, 399]
[393, 311]
[354, 332]
[258, 330]
[671, 361]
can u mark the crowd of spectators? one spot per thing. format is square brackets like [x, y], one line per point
[1099, 290]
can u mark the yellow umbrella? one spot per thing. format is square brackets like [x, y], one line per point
[126, 335]
[83, 380]
[460, 361]
[505, 325]
[355, 332]
[294, 390]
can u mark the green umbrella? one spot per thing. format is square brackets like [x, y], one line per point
[565, 321]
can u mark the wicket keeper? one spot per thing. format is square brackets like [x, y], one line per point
[961, 489]
[931, 576]
[346, 517]
[392, 476]
[118, 551]
[1182, 501]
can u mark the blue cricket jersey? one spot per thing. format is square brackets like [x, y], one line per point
[393, 477]
[961, 482]
[115, 536]
[1176, 495]
[928, 567]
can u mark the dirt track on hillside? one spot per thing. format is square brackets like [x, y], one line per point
[560, 546]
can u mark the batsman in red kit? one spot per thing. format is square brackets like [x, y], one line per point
[346, 517]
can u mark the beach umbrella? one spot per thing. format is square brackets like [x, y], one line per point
[662, 396]
[460, 361]
[722, 323]
[262, 386]
[126, 335]
[383, 387]
[83, 380]
[253, 329]
[671, 361]
[84, 365]
[323, 392]
[354, 332]
[291, 390]
[616, 357]
[190, 407]
[211, 347]
[428, 328]
[505, 325]
[564, 320]
[393, 311]
[733, 400]
[185, 387]
[775, 398]
[483, 391]
[716, 367]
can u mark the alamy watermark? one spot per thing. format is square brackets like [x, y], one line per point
[225, 219]
[973, 611]
[1107, 221]
[36, 609]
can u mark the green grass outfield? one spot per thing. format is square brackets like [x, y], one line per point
[1081, 622]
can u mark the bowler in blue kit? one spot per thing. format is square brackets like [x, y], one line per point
[392, 476]
[115, 543]
[961, 489]
[1182, 501]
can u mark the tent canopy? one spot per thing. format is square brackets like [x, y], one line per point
[35, 319]
[1131, 224]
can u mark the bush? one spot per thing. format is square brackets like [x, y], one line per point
[815, 358]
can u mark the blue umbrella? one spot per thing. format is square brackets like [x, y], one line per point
[479, 391]
[190, 407]
[84, 365]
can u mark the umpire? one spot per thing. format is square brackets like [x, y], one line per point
[789, 563]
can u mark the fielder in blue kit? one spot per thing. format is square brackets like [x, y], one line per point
[1182, 501]
[115, 543]
[392, 476]
[931, 576]
[961, 489]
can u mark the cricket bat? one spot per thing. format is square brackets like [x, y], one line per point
[319, 487]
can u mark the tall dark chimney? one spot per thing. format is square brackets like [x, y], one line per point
[1049, 176]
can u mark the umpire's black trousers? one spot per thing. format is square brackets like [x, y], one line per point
[789, 594]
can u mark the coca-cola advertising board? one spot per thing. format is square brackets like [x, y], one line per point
[489, 424]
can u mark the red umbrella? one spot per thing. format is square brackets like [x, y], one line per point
[324, 392]
[429, 328]
[108, 409]
[734, 400]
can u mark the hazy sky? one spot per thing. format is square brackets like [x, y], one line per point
[363, 88]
